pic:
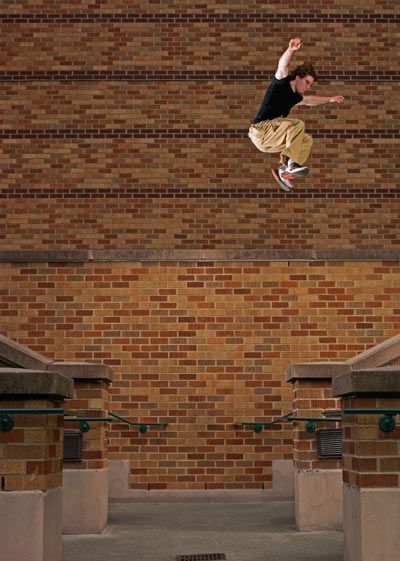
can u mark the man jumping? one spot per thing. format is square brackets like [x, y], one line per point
[272, 131]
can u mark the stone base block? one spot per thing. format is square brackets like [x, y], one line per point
[118, 479]
[85, 504]
[318, 500]
[371, 524]
[31, 525]
[283, 478]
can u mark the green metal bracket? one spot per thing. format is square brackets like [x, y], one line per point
[310, 425]
[7, 420]
[258, 426]
[84, 422]
[386, 423]
[311, 422]
[143, 427]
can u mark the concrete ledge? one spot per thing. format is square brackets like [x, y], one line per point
[369, 381]
[379, 355]
[203, 496]
[85, 503]
[283, 478]
[44, 255]
[81, 256]
[20, 356]
[118, 479]
[22, 382]
[316, 370]
[83, 370]
[119, 490]
[31, 525]
[371, 524]
[318, 500]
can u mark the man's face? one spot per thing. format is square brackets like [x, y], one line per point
[302, 85]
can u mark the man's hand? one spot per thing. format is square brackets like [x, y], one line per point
[337, 99]
[295, 44]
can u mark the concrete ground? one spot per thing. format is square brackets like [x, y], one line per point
[160, 527]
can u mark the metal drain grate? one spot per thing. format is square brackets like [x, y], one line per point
[329, 443]
[202, 557]
[72, 446]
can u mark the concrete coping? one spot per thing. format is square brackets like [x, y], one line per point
[83, 370]
[379, 355]
[192, 255]
[20, 356]
[16, 382]
[315, 370]
[382, 381]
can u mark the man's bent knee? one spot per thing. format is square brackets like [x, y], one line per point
[298, 124]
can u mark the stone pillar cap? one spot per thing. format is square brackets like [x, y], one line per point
[18, 382]
[83, 370]
[384, 380]
[316, 370]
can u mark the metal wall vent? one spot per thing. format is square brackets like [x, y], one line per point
[202, 557]
[329, 443]
[72, 446]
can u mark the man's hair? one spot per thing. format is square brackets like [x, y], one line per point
[305, 70]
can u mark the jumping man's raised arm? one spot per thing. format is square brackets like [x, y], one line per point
[314, 100]
[283, 64]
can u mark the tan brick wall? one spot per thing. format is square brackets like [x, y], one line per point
[201, 346]
[370, 456]
[31, 453]
[125, 127]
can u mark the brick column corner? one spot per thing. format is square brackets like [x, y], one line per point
[318, 482]
[371, 464]
[31, 451]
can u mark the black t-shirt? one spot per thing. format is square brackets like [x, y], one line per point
[278, 100]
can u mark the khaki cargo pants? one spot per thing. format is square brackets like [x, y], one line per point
[283, 135]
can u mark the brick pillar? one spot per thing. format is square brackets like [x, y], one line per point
[85, 500]
[318, 482]
[31, 466]
[371, 465]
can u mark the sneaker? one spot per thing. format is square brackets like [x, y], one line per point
[284, 182]
[295, 169]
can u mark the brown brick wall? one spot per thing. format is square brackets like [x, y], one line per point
[195, 41]
[370, 456]
[31, 453]
[128, 125]
[201, 346]
[260, 220]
